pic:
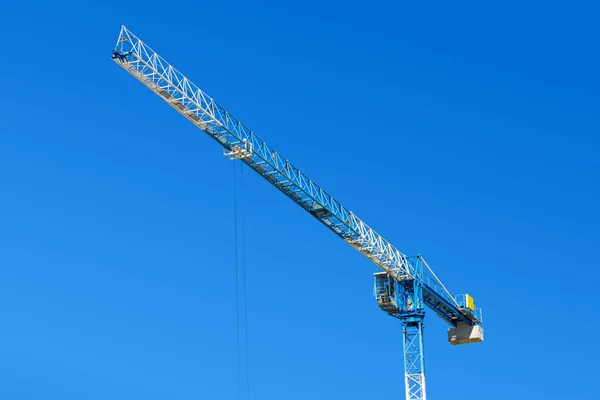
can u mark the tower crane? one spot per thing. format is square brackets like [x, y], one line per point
[405, 285]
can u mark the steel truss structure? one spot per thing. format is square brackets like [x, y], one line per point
[239, 142]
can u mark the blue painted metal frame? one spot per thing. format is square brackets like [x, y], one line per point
[180, 93]
[414, 287]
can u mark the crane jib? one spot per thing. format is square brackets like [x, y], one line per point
[240, 142]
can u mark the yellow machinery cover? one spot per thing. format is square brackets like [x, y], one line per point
[470, 302]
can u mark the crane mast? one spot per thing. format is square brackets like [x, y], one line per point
[404, 287]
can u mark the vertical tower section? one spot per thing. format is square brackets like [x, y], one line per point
[403, 299]
[414, 363]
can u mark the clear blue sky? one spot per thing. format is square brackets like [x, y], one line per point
[468, 133]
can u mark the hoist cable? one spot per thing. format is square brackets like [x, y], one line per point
[240, 274]
[237, 290]
[244, 279]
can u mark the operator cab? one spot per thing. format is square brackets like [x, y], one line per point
[385, 292]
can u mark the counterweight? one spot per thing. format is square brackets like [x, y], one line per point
[403, 277]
